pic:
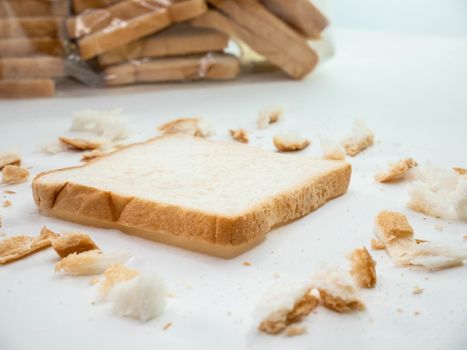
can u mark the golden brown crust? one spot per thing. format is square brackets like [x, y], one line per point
[70, 243]
[284, 145]
[394, 225]
[14, 174]
[340, 304]
[376, 244]
[112, 208]
[293, 331]
[9, 159]
[240, 135]
[7, 204]
[187, 126]
[363, 268]
[80, 144]
[18, 247]
[396, 170]
[460, 171]
[278, 321]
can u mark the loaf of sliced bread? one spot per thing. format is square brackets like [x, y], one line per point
[218, 198]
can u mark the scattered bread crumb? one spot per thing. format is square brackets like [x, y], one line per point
[396, 170]
[246, 263]
[376, 244]
[363, 268]
[108, 124]
[394, 230]
[293, 331]
[268, 116]
[417, 290]
[91, 262]
[94, 280]
[337, 291]
[439, 193]
[70, 243]
[460, 171]
[240, 135]
[358, 140]
[18, 247]
[142, 297]
[465, 236]
[53, 147]
[14, 174]
[416, 313]
[290, 141]
[167, 326]
[7, 204]
[331, 149]
[80, 144]
[400, 311]
[188, 126]
[114, 274]
[9, 159]
[9, 192]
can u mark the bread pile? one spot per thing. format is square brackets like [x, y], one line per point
[31, 48]
[144, 41]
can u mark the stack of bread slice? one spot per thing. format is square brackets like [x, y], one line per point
[136, 41]
[31, 47]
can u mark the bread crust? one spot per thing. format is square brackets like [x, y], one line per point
[115, 209]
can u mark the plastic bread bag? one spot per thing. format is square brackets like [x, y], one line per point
[121, 42]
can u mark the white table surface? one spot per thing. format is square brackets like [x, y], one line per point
[412, 91]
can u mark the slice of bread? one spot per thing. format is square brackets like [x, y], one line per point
[219, 198]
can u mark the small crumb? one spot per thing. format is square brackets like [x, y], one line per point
[460, 171]
[14, 174]
[396, 170]
[9, 159]
[240, 135]
[439, 227]
[9, 192]
[400, 311]
[167, 326]
[290, 141]
[376, 244]
[465, 236]
[188, 126]
[246, 263]
[7, 204]
[268, 116]
[363, 268]
[93, 281]
[416, 313]
[359, 139]
[80, 144]
[417, 290]
[293, 331]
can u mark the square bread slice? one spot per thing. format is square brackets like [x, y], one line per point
[218, 198]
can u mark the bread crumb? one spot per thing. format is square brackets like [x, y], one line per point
[91, 262]
[417, 290]
[94, 280]
[188, 126]
[460, 171]
[416, 313]
[246, 263]
[465, 236]
[290, 141]
[331, 149]
[293, 331]
[400, 311]
[359, 139]
[9, 192]
[268, 116]
[438, 193]
[80, 144]
[240, 135]
[108, 124]
[376, 244]
[9, 159]
[53, 147]
[18, 247]
[279, 319]
[70, 243]
[7, 204]
[337, 291]
[396, 170]
[14, 174]
[114, 274]
[363, 268]
[167, 326]
[394, 230]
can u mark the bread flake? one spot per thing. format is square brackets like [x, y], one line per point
[78, 144]
[331, 150]
[359, 139]
[108, 124]
[9, 159]
[187, 126]
[18, 247]
[70, 243]
[396, 170]
[14, 174]
[240, 135]
[363, 268]
[91, 262]
[290, 141]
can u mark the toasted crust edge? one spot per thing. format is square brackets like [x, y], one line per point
[118, 211]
